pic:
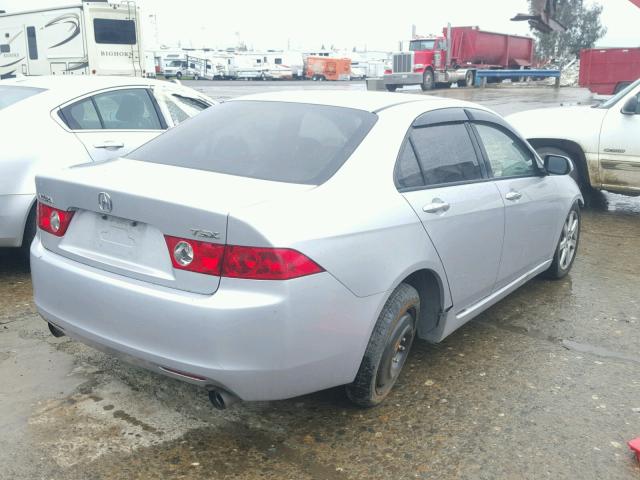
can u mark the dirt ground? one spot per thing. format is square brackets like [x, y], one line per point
[543, 385]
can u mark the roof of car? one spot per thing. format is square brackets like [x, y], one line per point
[61, 88]
[360, 100]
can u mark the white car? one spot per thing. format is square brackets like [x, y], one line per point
[54, 122]
[602, 140]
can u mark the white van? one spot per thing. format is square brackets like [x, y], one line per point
[88, 38]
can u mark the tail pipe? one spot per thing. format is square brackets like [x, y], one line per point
[221, 399]
[55, 331]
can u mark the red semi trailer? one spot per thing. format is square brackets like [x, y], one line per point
[456, 56]
[608, 70]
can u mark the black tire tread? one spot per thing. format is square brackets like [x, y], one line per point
[362, 391]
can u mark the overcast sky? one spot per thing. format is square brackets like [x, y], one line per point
[307, 24]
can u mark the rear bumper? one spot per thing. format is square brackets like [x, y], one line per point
[14, 210]
[259, 340]
[408, 78]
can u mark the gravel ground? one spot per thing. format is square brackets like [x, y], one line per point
[543, 385]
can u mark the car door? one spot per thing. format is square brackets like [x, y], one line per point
[113, 123]
[620, 148]
[441, 174]
[530, 198]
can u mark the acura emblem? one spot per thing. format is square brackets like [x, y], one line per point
[104, 202]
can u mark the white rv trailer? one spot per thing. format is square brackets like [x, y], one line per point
[286, 63]
[85, 38]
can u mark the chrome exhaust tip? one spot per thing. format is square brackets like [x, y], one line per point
[222, 399]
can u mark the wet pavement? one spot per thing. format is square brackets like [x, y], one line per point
[543, 385]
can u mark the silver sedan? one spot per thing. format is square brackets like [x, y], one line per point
[281, 244]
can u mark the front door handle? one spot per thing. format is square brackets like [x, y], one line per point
[513, 196]
[109, 144]
[436, 206]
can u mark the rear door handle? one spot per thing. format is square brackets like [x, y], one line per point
[109, 144]
[436, 206]
[513, 196]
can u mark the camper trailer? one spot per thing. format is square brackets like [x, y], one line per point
[89, 38]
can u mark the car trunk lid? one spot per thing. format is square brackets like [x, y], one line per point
[124, 209]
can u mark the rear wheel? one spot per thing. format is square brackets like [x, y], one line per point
[391, 88]
[388, 348]
[567, 245]
[427, 80]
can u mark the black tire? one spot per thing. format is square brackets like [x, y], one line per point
[388, 348]
[179, 75]
[391, 88]
[559, 268]
[428, 81]
[468, 80]
[578, 174]
[29, 232]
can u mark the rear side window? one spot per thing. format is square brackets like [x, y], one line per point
[81, 116]
[114, 32]
[10, 94]
[278, 141]
[408, 173]
[446, 154]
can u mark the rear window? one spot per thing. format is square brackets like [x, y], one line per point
[278, 141]
[10, 94]
[114, 32]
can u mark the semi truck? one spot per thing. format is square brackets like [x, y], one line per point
[85, 38]
[606, 71]
[456, 56]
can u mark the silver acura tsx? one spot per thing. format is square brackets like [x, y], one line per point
[281, 244]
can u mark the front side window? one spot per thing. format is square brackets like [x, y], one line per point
[127, 110]
[277, 141]
[114, 32]
[180, 107]
[446, 154]
[419, 45]
[507, 155]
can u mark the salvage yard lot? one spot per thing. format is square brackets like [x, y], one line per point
[543, 385]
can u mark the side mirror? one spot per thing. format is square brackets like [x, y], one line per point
[631, 107]
[558, 165]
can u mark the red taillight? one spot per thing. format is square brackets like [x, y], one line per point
[53, 220]
[254, 263]
[388, 71]
[195, 256]
[267, 263]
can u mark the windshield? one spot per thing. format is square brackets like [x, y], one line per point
[277, 141]
[176, 63]
[10, 94]
[418, 45]
[621, 94]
